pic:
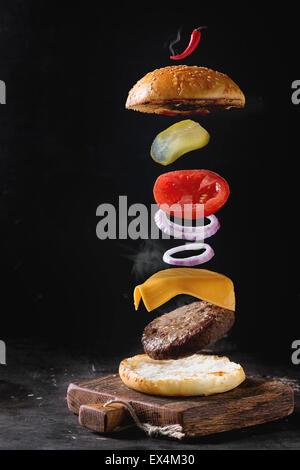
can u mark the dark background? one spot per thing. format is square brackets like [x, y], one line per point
[67, 145]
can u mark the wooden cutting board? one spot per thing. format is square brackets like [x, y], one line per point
[255, 401]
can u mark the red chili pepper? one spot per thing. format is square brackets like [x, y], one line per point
[194, 41]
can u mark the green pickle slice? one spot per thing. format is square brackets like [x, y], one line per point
[182, 137]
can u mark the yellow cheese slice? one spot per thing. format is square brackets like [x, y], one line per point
[203, 284]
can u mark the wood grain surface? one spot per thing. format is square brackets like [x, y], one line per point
[255, 401]
[101, 419]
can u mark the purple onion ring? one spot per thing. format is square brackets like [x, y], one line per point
[186, 232]
[192, 260]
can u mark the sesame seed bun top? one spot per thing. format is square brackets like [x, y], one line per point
[184, 90]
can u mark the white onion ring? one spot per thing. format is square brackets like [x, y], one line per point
[186, 233]
[191, 260]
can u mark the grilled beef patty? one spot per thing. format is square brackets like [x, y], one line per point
[186, 330]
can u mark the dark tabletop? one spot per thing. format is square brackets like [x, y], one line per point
[34, 413]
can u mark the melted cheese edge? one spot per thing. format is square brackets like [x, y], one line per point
[203, 284]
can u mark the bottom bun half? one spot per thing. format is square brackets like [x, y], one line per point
[198, 374]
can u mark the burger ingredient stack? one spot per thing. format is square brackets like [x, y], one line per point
[172, 364]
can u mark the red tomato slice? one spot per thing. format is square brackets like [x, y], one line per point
[193, 187]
